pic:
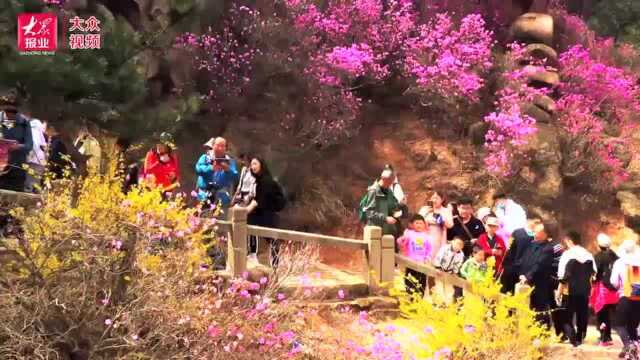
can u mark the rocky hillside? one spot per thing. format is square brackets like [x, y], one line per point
[325, 183]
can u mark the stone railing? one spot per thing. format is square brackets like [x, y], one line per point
[378, 249]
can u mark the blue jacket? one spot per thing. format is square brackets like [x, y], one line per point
[223, 180]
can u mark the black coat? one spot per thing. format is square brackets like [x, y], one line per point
[57, 157]
[537, 264]
[513, 258]
[20, 132]
[604, 263]
[578, 277]
[267, 190]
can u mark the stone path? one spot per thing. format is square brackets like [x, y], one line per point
[589, 350]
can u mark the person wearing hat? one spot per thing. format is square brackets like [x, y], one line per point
[604, 295]
[217, 173]
[381, 208]
[492, 243]
[16, 143]
[161, 166]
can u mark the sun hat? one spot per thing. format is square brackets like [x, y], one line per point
[604, 240]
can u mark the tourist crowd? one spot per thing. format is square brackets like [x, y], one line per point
[566, 279]
[32, 151]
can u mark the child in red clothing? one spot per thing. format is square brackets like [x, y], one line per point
[161, 166]
[492, 243]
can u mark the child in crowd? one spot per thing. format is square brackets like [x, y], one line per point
[449, 259]
[575, 270]
[492, 243]
[475, 268]
[415, 243]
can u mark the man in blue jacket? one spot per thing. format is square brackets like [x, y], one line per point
[217, 174]
[15, 130]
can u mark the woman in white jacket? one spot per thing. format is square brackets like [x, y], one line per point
[37, 157]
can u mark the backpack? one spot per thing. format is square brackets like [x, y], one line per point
[632, 287]
[279, 198]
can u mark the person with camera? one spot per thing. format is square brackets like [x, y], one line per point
[217, 174]
[439, 217]
[16, 143]
[161, 166]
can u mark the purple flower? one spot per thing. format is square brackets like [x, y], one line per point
[444, 353]
[287, 336]
[469, 329]
[341, 294]
[263, 280]
[280, 296]
[108, 322]
[214, 331]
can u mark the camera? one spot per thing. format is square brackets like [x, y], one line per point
[212, 187]
[219, 160]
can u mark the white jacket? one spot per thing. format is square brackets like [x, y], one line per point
[619, 271]
[38, 154]
[512, 216]
[577, 253]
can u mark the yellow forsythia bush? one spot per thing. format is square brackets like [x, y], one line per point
[484, 324]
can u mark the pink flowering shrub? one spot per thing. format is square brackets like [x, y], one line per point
[341, 47]
[224, 57]
[510, 128]
[598, 110]
[449, 61]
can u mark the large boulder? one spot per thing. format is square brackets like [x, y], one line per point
[540, 76]
[179, 72]
[537, 113]
[533, 28]
[477, 132]
[545, 103]
[629, 204]
[542, 52]
[550, 186]
[543, 150]
[544, 145]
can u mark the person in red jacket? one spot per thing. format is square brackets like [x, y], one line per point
[492, 243]
[161, 166]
